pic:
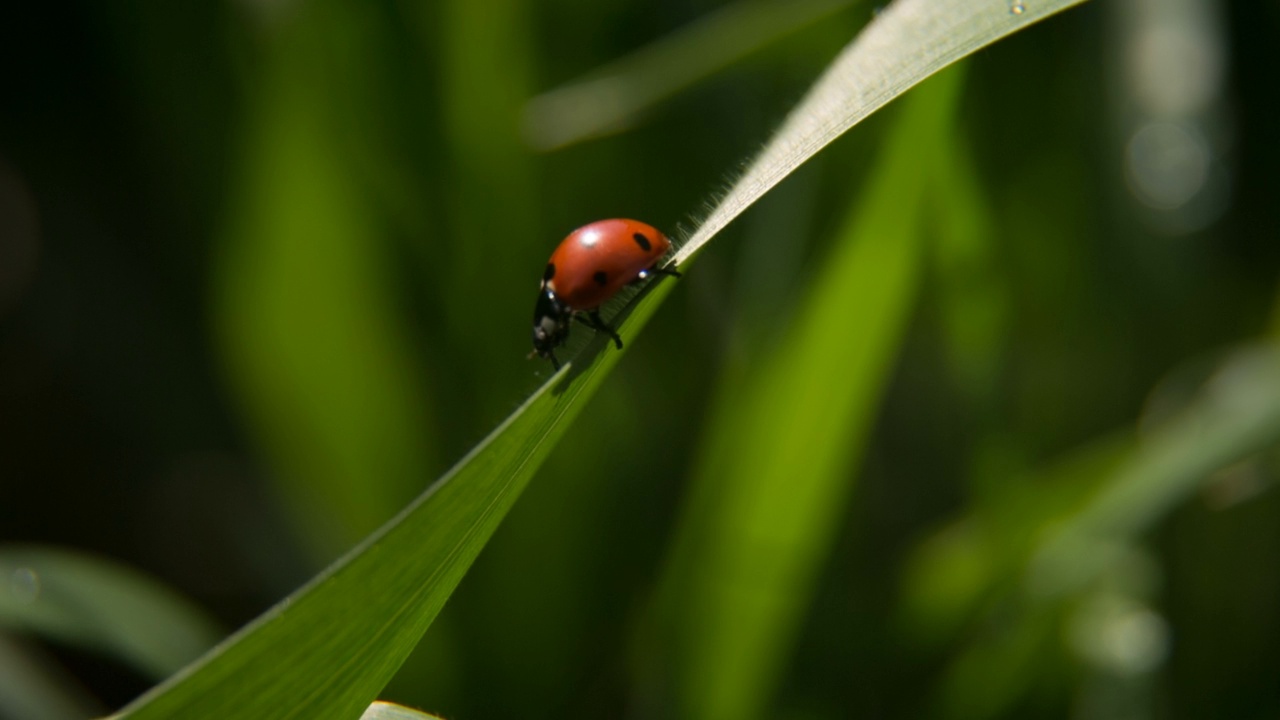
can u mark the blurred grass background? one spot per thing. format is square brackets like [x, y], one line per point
[267, 269]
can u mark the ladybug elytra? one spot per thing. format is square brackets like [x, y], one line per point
[590, 266]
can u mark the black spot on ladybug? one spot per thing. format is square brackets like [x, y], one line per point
[549, 273]
[601, 278]
[642, 241]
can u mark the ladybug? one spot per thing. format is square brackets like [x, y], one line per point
[590, 266]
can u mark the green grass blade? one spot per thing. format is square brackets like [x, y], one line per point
[35, 687]
[1061, 528]
[487, 61]
[94, 603]
[906, 43]
[1078, 530]
[774, 482]
[610, 98]
[973, 304]
[956, 571]
[326, 651]
[1236, 415]
[307, 325]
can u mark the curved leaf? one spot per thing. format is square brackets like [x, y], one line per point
[99, 604]
[757, 529]
[326, 651]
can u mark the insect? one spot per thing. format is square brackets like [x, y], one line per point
[590, 266]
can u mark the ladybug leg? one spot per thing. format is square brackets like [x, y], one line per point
[550, 355]
[593, 321]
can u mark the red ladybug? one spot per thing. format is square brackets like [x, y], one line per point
[589, 267]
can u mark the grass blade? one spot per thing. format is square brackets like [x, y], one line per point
[757, 530]
[1236, 415]
[35, 687]
[906, 43]
[315, 349]
[326, 651]
[612, 97]
[101, 605]
[1076, 532]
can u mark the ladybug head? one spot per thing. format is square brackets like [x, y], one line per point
[550, 325]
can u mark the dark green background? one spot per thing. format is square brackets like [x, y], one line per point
[266, 269]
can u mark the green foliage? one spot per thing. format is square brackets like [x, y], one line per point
[954, 422]
[304, 311]
[390, 589]
[328, 649]
[785, 441]
[92, 602]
